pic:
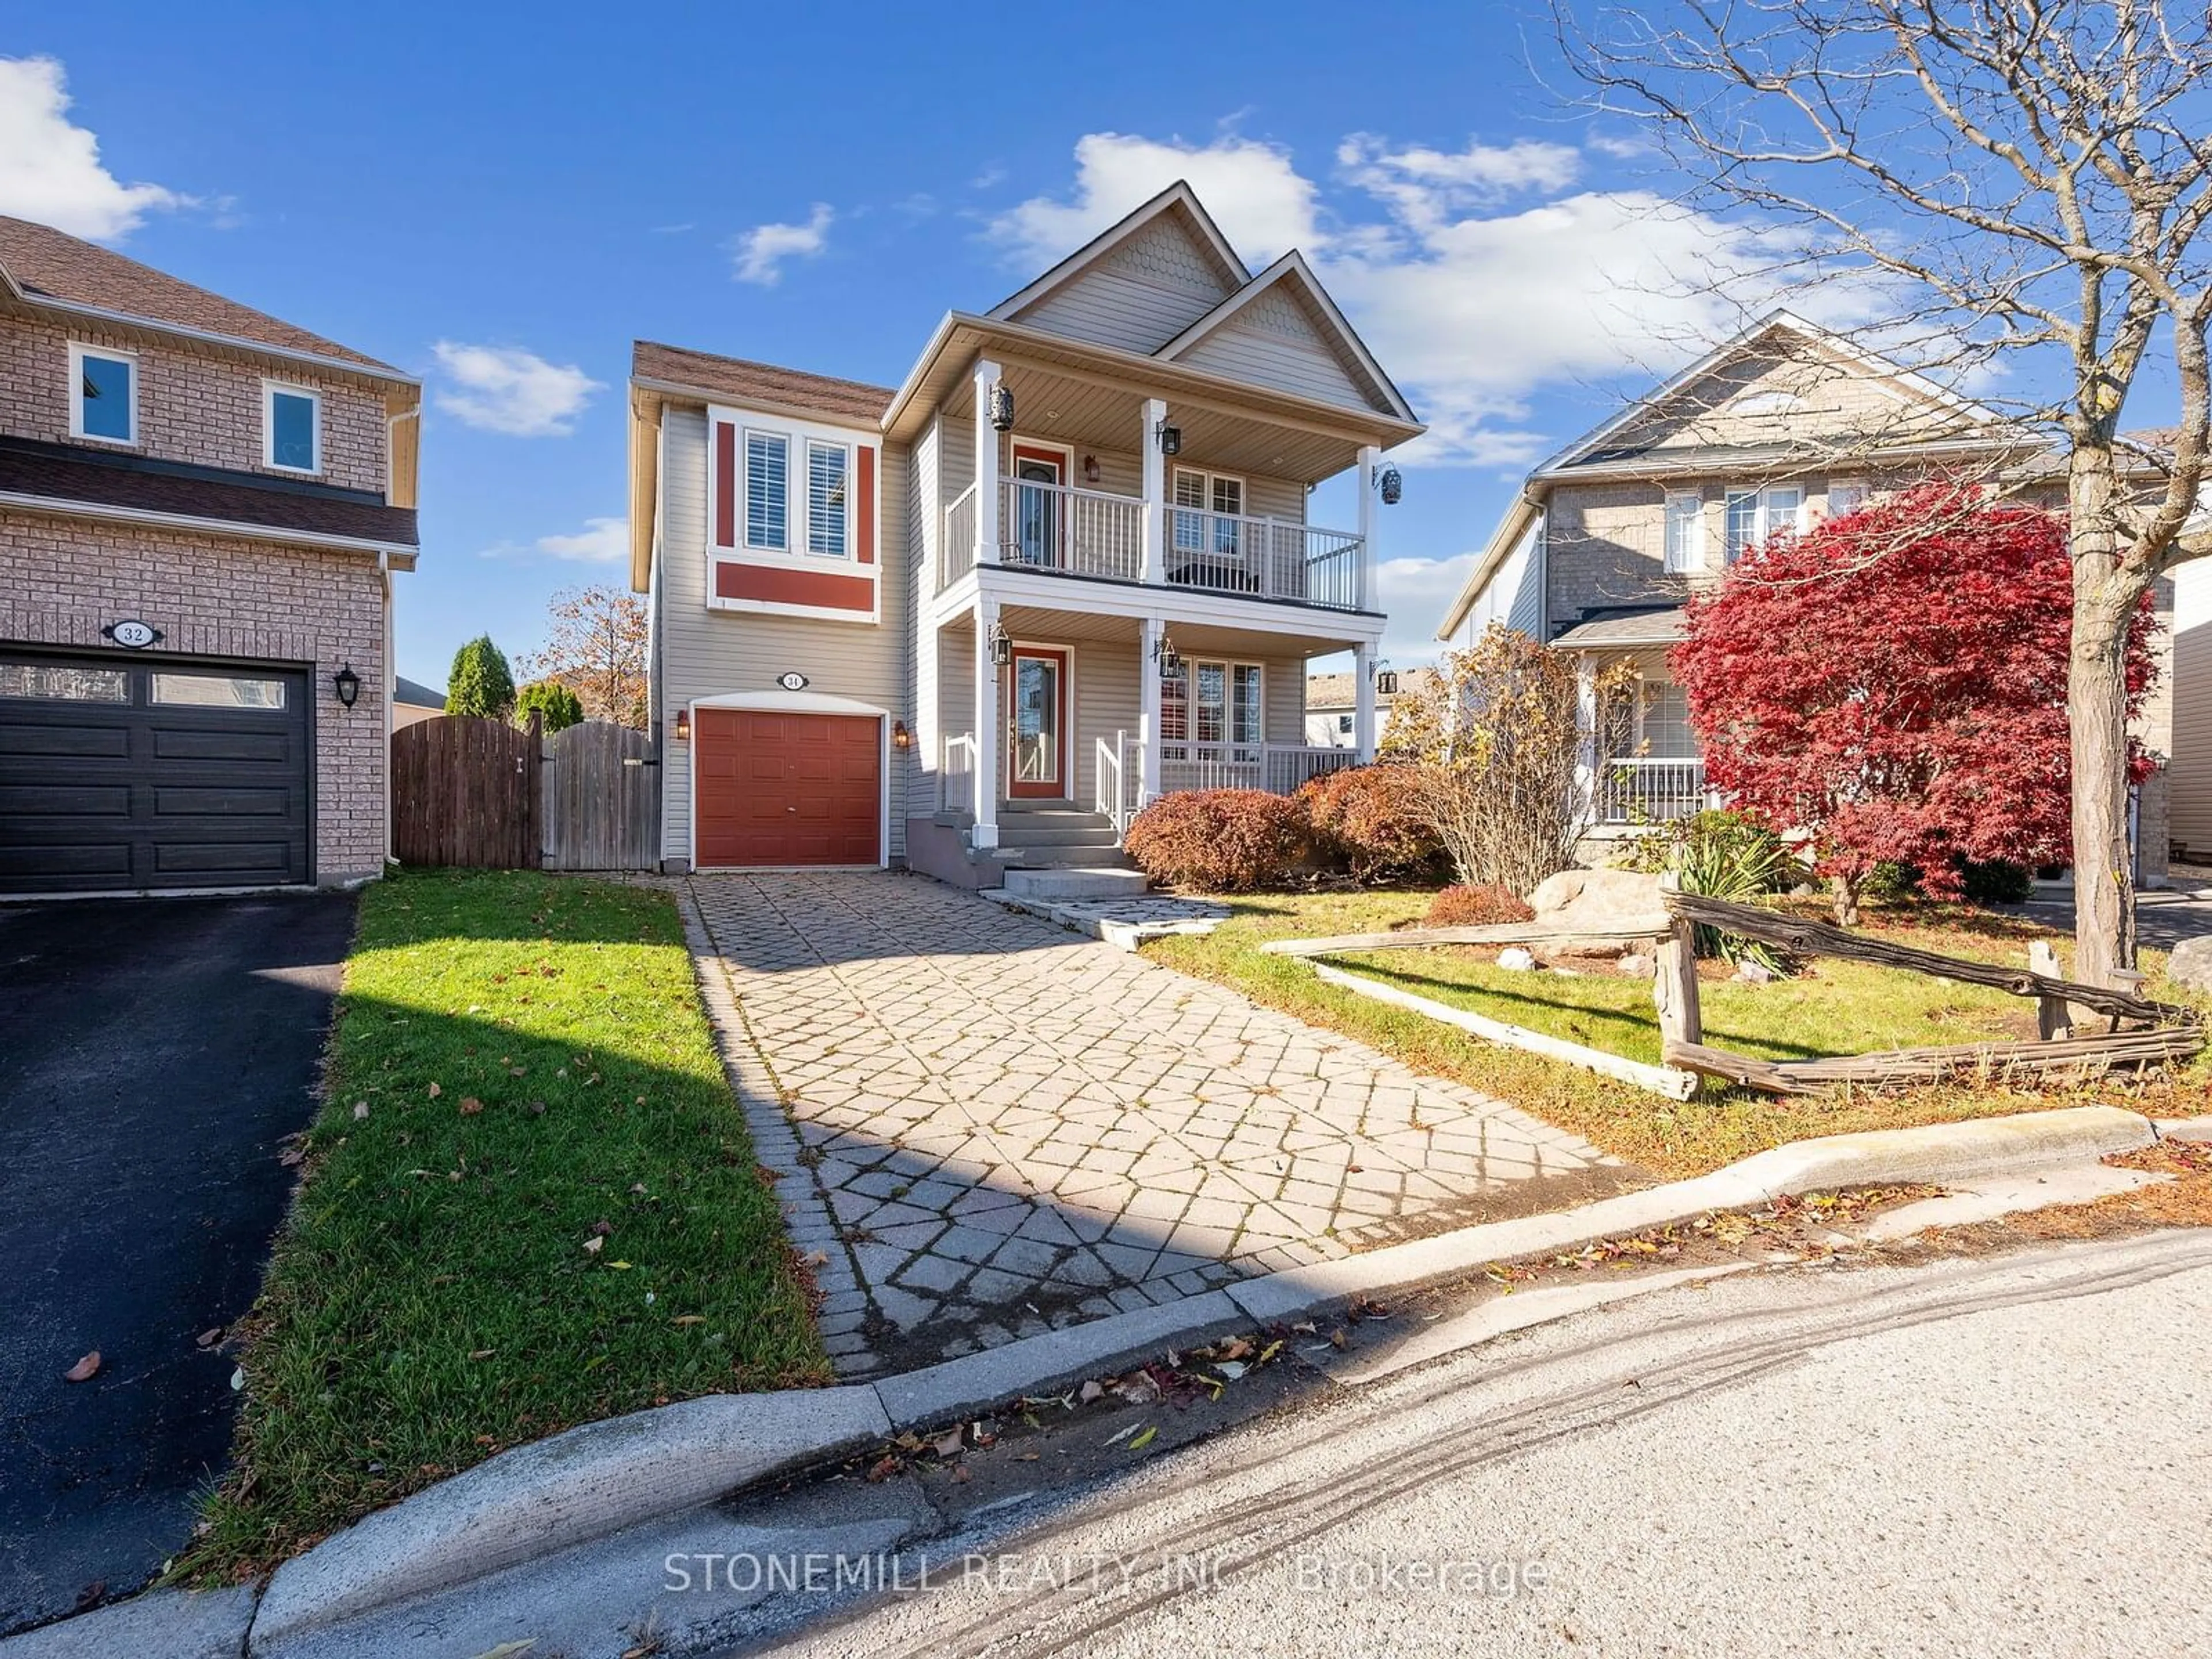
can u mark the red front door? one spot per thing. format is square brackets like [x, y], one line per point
[1037, 735]
[775, 788]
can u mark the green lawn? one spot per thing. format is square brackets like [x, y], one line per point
[519, 1066]
[1839, 1008]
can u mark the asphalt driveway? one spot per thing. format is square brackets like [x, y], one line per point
[153, 1053]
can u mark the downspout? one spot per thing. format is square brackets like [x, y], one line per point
[391, 685]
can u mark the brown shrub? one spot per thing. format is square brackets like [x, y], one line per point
[1477, 907]
[1224, 841]
[1371, 817]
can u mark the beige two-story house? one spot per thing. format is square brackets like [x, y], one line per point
[1786, 424]
[201, 511]
[974, 620]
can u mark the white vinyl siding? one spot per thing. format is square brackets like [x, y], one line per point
[827, 517]
[1136, 298]
[1685, 532]
[768, 491]
[1275, 340]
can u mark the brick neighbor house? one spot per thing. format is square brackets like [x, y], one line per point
[200, 509]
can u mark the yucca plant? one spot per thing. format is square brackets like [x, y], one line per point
[1724, 855]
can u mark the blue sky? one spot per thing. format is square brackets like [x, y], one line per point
[502, 199]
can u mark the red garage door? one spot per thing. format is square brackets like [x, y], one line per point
[775, 788]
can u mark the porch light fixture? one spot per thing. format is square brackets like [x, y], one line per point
[1002, 407]
[901, 737]
[1164, 654]
[1090, 469]
[1002, 647]
[347, 684]
[1385, 679]
[682, 725]
[1392, 483]
[1171, 439]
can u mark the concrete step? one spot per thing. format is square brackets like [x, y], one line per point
[1065, 857]
[1020, 833]
[1072, 882]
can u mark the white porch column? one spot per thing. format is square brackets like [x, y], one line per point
[987, 465]
[1363, 701]
[1156, 494]
[990, 735]
[1586, 722]
[1371, 459]
[1148, 711]
[929, 724]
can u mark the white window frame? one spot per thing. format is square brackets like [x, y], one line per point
[804, 542]
[1680, 558]
[745, 436]
[1187, 679]
[1766, 524]
[270, 391]
[78, 351]
[1859, 487]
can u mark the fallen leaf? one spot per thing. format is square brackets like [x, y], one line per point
[619, 1266]
[238, 1379]
[470, 1105]
[1091, 1391]
[435, 1092]
[1143, 1439]
[884, 1469]
[85, 1369]
[1337, 1340]
[360, 1110]
[292, 1156]
[207, 1338]
[961, 1475]
[481, 1353]
[947, 1444]
[690, 1319]
[1232, 1369]
[1234, 1348]
[592, 1245]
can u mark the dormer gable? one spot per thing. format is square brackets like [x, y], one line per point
[1138, 284]
[1282, 330]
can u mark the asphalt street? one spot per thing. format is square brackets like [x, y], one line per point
[2003, 1456]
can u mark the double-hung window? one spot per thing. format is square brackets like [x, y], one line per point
[826, 512]
[1219, 704]
[768, 491]
[291, 422]
[1208, 508]
[1685, 532]
[103, 395]
[1846, 496]
[1752, 515]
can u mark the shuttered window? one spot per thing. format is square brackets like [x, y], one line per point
[768, 496]
[826, 515]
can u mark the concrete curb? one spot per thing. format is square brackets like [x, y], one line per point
[570, 1489]
[604, 1477]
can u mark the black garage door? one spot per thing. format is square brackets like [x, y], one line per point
[134, 772]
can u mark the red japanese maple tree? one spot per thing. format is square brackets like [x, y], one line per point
[1893, 684]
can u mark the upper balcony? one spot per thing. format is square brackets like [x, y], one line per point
[1066, 529]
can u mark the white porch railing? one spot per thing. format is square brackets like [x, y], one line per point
[1269, 558]
[1278, 767]
[1082, 532]
[956, 777]
[955, 554]
[1641, 790]
[1111, 791]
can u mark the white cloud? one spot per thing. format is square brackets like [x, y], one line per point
[1262, 203]
[1421, 185]
[762, 249]
[1414, 592]
[601, 541]
[507, 389]
[50, 170]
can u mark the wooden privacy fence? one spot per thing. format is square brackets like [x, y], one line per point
[2162, 1030]
[484, 794]
[465, 793]
[601, 799]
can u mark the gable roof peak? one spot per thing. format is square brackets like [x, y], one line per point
[1179, 199]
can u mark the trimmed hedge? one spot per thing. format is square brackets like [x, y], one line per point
[1369, 817]
[1224, 841]
[1492, 906]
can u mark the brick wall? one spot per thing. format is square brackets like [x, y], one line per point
[227, 597]
[197, 403]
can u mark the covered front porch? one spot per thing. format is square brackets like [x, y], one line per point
[1641, 762]
[1102, 711]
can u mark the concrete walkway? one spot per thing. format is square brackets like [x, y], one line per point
[999, 1128]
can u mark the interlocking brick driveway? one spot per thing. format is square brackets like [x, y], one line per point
[991, 1126]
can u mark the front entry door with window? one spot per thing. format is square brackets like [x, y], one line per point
[1037, 724]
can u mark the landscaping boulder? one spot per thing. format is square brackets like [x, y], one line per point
[1635, 966]
[1596, 899]
[2190, 965]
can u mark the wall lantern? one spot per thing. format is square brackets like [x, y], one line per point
[1002, 407]
[1090, 469]
[1385, 679]
[1164, 654]
[1171, 439]
[682, 725]
[1002, 649]
[347, 684]
[901, 737]
[1392, 483]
